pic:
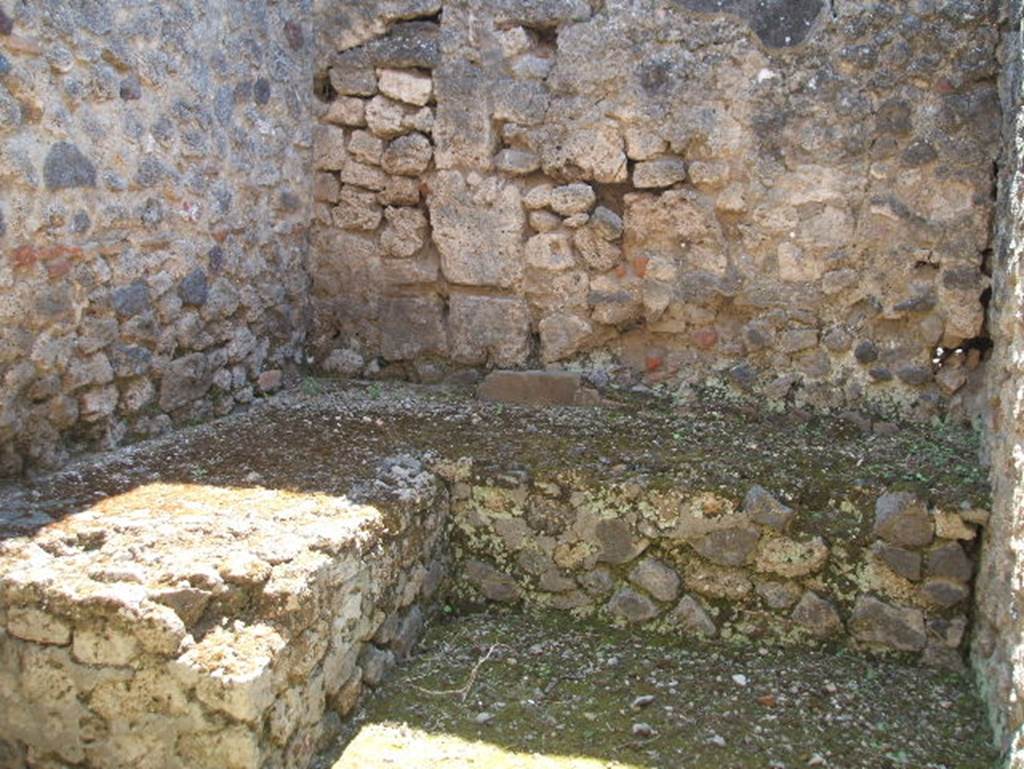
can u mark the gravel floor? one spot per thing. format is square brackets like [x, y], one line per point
[546, 691]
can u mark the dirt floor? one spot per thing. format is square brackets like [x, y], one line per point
[515, 691]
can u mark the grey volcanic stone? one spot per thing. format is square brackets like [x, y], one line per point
[375, 663]
[902, 519]
[729, 547]
[949, 561]
[66, 167]
[185, 380]
[692, 619]
[944, 593]
[905, 563]
[777, 24]
[896, 627]
[658, 579]
[493, 584]
[131, 300]
[631, 606]
[616, 541]
[816, 615]
[130, 360]
[193, 289]
[409, 631]
[778, 595]
[765, 509]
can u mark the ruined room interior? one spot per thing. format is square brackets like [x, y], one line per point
[549, 384]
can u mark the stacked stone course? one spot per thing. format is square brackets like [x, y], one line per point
[154, 222]
[209, 646]
[798, 204]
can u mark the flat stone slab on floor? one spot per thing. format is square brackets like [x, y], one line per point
[537, 388]
[555, 693]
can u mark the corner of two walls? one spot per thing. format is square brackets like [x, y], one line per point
[998, 643]
[794, 205]
[154, 161]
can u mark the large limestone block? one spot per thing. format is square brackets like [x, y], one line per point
[488, 329]
[478, 230]
[412, 326]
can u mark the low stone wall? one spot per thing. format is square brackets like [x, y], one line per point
[894, 575]
[209, 627]
[218, 599]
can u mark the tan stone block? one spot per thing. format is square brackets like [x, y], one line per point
[32, 624]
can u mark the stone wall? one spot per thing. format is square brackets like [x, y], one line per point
[891, 573]
[210, 646]
[798, 201]
[154, 161]
[998, 646]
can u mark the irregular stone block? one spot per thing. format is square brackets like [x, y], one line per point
[562, 335]
[403, 85]
[411, 326]
[717, 581]
[765, 509]
[662, 172]
[516, 162]
[104, 646]
[347, 111]
[406, 232]
[599, 253]
[692, 618]
[485, 329]
[728, 547]
[656, 578]
[631, 606]
[895, 627]
[817, 615]
[65, 167]
[185, 380]
[493, 584]
[34, 625]
[408, 155]
[953, 526]
[944, 593]
[949, 561]
[778, 595]
[577, 198]
[408, 633]
[902, 519]
[905, 563]
[357, 210]
[616, 541]
[330, 152]
[365, 147]
[790, 558]
[477, 231]
[376, 664]
[551, 251]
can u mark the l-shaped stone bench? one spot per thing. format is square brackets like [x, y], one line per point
[220, 597]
